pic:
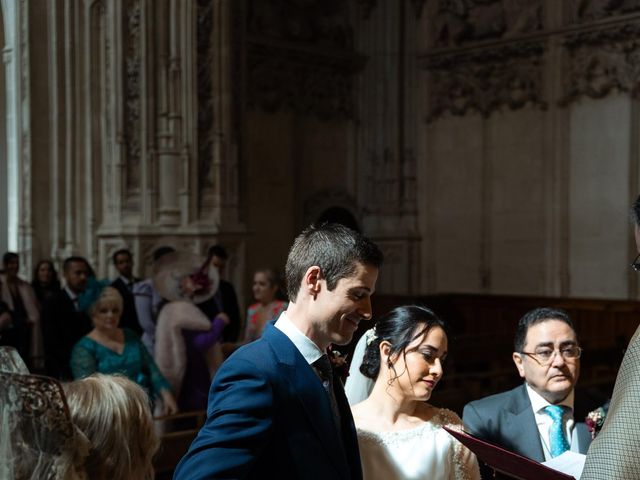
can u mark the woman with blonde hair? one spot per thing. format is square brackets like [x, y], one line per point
[114, 414]
[110, 349]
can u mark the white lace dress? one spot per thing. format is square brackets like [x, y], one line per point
[426, 452]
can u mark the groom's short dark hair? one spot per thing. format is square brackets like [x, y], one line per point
[334, 248]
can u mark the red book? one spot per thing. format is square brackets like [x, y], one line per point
[509, 464]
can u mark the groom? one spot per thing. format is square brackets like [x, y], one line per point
[275, 409]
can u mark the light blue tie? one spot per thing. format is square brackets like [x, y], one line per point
[557, 438]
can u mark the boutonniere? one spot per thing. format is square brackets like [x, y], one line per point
[595, 419]
[338, 363]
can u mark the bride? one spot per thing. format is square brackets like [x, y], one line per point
[400, 435]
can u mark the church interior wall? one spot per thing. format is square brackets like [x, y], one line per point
[518, 185]
[601, 165]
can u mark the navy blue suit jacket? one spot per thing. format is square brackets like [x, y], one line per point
[270, 417]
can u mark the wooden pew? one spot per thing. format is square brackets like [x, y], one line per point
[176, 434]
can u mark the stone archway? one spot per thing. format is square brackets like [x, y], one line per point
[332, 205]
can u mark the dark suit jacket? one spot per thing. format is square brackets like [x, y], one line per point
[62, 327]
[129, 317]
[507, 419]
[270, 417]
[225, 301]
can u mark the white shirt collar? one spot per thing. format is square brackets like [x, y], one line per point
[538, 402]
[71, 293]
[309, 350]
[125, 280]
[544, 421]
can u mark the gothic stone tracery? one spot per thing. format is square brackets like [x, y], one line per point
[300, 57]
[485, 81]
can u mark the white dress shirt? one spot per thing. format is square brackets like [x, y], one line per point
[544, 421]
[309, 350]
[73, 296]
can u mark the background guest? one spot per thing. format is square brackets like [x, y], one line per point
[148, 302]
[225, 300]
[37, 437]
[114, 414]
[535, 419]
[123, 261]
[45, 281]
[6, 326]
[110, 349]
[266, 290]
[63, 322]
[22, 302]
[187, 342]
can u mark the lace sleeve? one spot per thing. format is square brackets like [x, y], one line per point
[158, 382]
[465, 463]
[83, 362]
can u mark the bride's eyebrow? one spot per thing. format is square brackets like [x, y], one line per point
[430, 347]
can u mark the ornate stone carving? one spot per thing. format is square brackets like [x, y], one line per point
[320, 85]
[318, 23]
[462, 21]
[588, 10]
[602, 61]
[205, 93]
[132, 94]
[484, 81]
[300, 57]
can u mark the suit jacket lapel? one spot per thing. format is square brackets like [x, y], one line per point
[522, 426]
[349, 434]
[312, 395]
[581, 436]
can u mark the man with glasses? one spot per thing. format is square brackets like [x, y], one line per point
[536, 418]
[615, 453]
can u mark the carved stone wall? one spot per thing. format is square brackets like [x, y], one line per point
[461, 134]
[300, 57]
[485, 56]
[387, 145]
[602, 61]
[483, 81]
[515, 192]
[131, 158]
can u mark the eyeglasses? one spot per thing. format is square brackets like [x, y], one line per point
[636, 264]
[544, 356]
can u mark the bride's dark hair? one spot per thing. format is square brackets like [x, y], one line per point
[399, 327]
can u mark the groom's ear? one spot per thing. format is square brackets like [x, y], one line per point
[311, 281]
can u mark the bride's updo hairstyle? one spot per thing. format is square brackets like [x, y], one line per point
[400, 328]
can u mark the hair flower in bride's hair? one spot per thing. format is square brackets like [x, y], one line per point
[338, 363]
[371, 335]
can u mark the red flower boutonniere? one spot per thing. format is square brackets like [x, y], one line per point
[595, 419]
